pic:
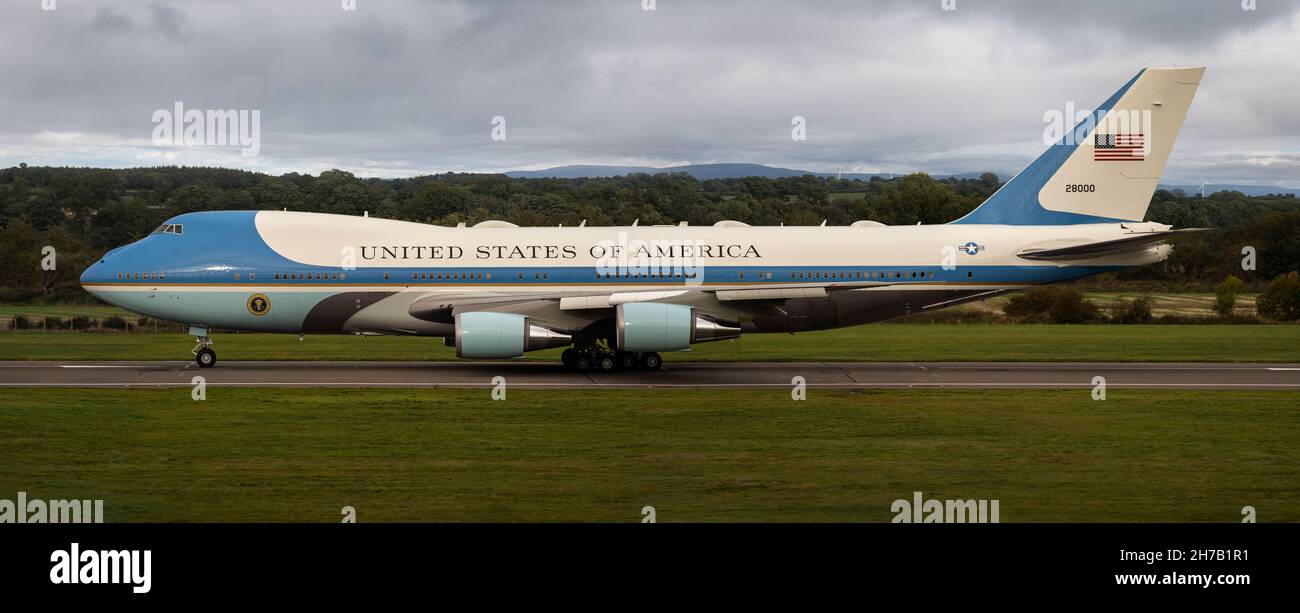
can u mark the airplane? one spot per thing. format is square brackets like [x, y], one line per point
[617, 297]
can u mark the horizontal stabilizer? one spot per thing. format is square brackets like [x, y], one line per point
[1119, 246]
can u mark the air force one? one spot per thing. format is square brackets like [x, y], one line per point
[619, 296]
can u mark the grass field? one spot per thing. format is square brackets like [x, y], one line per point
[875, 342]
[453, 455]
[1163, 303]
[93, 311]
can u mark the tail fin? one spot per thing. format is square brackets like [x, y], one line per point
[1107, 167]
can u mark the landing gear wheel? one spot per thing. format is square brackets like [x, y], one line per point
[206, 358]
[627, 360]
[582, 362]
[568, 357]
[606, 362]
[651, 361]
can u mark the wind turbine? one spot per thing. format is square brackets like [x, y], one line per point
[1202, 188]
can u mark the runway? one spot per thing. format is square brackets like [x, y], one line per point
[841, 375]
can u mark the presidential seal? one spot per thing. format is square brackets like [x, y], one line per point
[259, 304]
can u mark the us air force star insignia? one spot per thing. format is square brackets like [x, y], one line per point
[972, 248]
[259, 304]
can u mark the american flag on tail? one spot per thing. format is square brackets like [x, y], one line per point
[1118, 147]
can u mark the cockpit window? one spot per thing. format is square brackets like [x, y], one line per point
[170, 228]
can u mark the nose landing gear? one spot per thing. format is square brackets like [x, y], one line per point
[204, 356]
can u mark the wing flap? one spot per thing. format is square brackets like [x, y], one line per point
[771, 293]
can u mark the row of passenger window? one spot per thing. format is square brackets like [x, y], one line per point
[861, 275]
[141, 276]
[450, 276]
[793, 275]
[545, 276]
[303, 276]
[468, 276]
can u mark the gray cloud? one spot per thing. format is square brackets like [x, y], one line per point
[399, 88]
[108, 20]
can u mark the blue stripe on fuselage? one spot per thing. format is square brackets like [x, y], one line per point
[586, 275]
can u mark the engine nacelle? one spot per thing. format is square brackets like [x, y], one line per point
[488, 335]
[657, 326]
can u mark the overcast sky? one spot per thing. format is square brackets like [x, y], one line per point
[400, 88]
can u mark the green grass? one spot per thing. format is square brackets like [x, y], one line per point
[454, 455]
[907, 343]
[1162, 303]
[93, 311]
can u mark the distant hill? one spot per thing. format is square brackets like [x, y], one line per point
[580, 172]
[1249, 190]
[699, 171]
[705, 172]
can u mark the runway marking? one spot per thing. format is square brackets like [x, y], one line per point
[93, 366]
[715, 375]
[649, 385]
[844, 365]
[1102, 365]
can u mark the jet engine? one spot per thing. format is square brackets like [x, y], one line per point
[488, 335]
[656, 326]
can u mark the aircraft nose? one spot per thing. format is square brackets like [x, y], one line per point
[88, 274]
[91, 275]
[98, 272]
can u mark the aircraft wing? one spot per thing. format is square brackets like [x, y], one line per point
[441, 307]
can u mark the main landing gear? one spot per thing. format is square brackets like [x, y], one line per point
[603, 360]
[204, 356]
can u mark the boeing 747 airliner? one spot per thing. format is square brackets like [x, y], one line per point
[618, 296]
